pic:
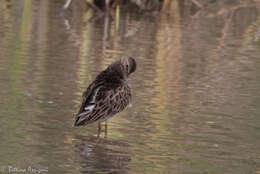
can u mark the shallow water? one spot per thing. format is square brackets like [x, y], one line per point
[196, 96]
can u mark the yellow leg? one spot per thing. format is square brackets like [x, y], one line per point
[99, 129]
[105, 129]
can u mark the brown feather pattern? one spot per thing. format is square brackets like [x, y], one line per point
[108, 94]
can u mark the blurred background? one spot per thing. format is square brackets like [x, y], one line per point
[196, 99]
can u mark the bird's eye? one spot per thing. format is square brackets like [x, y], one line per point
[127, 67]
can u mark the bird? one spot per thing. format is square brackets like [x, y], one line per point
[108, 94]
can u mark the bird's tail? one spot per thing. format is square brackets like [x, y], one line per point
[81, 119]
[83, 115]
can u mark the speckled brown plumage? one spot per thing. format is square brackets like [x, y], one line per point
[108, 94]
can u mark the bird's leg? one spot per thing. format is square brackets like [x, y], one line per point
[99, 129]
[105, 129]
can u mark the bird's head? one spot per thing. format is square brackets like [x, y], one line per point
[124, 66]
[128, 65]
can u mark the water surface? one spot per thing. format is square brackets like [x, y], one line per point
[196, 96]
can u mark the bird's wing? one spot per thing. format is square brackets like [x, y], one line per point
[108, 103]
[101, 104]
[88, 102]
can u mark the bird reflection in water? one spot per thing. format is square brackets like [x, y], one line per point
[102, 154]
